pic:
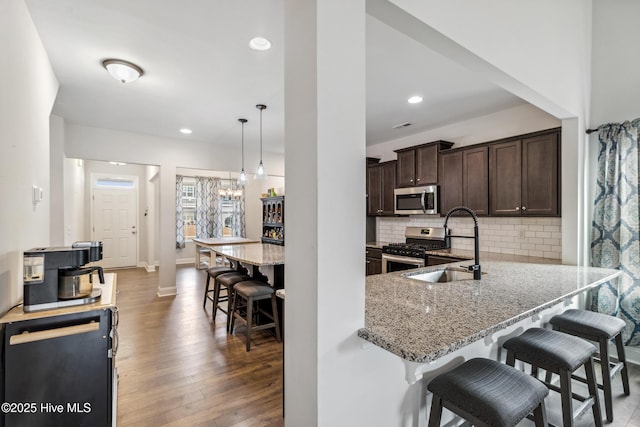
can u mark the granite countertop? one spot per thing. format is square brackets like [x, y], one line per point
[376, 244]
[258, 254]
[422, 321]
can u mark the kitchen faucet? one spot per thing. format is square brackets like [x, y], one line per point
[476, 267]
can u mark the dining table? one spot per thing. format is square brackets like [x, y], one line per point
[208, 243]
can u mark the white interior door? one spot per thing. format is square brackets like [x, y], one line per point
[114, 224]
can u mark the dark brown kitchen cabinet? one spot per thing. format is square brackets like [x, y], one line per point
[419, 165]
[381, 180]
[373, 260]
[524, 176]
[464, 179]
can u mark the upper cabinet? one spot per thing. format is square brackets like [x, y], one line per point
[419, 165]
[381, 180]
[464, 179]
[524, 176]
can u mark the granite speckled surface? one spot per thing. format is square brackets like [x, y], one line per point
[376, 244]
[422, 321]
[258, 254]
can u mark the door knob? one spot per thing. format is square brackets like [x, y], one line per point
[517, 208]
[524, 208]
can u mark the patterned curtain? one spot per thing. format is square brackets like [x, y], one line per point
[238, 228]
[179, 220]
[615, 240]
[207, 207]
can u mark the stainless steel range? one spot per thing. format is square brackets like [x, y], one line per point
[413, 253]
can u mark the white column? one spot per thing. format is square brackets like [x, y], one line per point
[325, 182]
[167, 276]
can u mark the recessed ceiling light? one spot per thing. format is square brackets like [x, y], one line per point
[415, 100]
[259, 43]
[186, 131]
[118, 163]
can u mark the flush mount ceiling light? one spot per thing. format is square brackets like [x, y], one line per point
[123, 71]
[186, 131]
[415, 99]
[259, 43]
[242, 179]
[261, 175]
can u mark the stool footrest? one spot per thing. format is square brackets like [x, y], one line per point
[585, 402]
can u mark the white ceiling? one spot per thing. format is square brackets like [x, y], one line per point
[200, 73]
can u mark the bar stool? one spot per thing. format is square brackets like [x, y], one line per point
[212, 273]
[560, 354]
[225, 281]
[488, 393]
[244, 295]
[600, 328]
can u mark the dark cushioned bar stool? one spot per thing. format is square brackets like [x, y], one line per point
[212, 273]
[560, 354]
[245, 294]
[488, 393]
[225, 282]
[600, 328]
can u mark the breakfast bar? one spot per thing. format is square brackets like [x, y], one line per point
[266, 260]
[208, 243]
[421, 321]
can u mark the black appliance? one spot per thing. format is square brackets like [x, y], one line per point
[413, 253]
[55, 277]
[59, 371]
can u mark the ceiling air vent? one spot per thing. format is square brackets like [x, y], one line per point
[401, 125]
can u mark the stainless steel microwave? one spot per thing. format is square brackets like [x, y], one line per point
[416, 200]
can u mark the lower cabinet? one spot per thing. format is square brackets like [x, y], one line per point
[373, 260]
[59, 371]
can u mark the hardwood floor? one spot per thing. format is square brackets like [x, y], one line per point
[177, 368]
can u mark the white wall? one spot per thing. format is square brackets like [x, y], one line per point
[89, 143]
[502, 124]
[544, 45]
[333, 379]
[28, 87]
[56, 180]
[616, 82]
[75, 202]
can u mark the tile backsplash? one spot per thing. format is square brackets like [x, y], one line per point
[539, 237]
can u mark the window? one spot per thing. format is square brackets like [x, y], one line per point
[189, 207]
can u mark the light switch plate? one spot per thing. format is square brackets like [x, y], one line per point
[37, 194]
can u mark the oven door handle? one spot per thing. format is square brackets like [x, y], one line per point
[404, 259]
[422, 201]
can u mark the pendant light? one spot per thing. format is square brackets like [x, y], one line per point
[261, 175]
[242, 179]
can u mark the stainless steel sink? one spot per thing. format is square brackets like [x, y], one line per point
[441, 276]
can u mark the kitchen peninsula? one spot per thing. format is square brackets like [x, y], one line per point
[421, 322]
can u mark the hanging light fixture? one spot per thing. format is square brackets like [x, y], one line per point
[242, 179]
[261, 175]
[123, 71]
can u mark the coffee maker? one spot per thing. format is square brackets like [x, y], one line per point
[55, 277]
